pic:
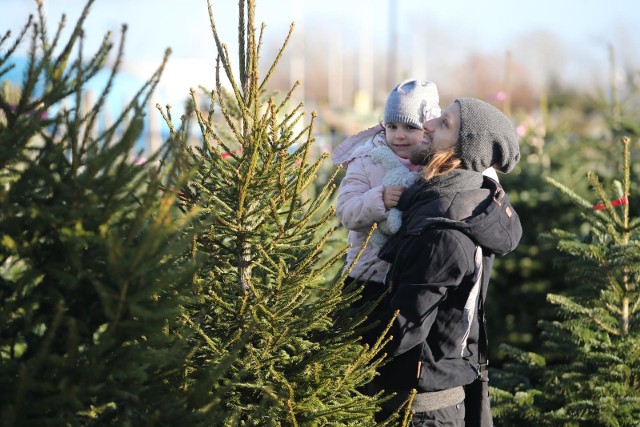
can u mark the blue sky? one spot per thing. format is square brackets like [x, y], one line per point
[578, 31]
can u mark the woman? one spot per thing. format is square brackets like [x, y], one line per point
[454, 222]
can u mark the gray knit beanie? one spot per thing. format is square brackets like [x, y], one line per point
[487, 137]
[412, 102]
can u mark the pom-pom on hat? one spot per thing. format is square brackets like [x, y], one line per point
[412, 102]
[487, 137]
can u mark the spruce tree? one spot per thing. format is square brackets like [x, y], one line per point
[571, 132]
[269, 308]
[92, 274]
[556, 142]
[591, 374]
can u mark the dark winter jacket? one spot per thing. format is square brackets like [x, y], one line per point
[431, 279]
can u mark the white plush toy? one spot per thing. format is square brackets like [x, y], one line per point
[395, 174]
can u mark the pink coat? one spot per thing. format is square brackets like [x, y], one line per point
[360, 202]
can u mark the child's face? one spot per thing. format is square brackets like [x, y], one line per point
[402, 138]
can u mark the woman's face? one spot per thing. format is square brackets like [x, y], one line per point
[442, 132]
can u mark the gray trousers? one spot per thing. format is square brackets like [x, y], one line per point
[451, 416]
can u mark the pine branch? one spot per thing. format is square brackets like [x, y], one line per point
[10, 51]
[242, 42]
[626, 178]
[572, 195]
[223, 57]
[635, 306]
[250, 94]
[225, 113]
[605, 199]
[92, 115]
[277, 60]
[573, 307]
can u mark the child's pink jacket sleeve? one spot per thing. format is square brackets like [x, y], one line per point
[360, 202]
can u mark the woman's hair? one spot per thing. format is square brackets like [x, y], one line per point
[437, 164]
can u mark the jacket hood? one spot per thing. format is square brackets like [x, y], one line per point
[489, 219]
[353, 147]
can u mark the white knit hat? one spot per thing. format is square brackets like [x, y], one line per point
[412, 102]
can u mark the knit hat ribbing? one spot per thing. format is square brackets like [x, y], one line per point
[412, 102]
[487, 137]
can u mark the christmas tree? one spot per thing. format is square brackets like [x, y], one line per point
[270, 308]
[590, 375]
[92, 271]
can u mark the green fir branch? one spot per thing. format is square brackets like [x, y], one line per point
[570, 193]
[572, 307]
[277, 59]
[225, 113]
[605, 199]
[12, 48]
[92, 115]
[223, 57]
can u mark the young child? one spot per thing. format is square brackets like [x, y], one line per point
[378, 171]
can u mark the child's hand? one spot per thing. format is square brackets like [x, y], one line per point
[391, 195]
